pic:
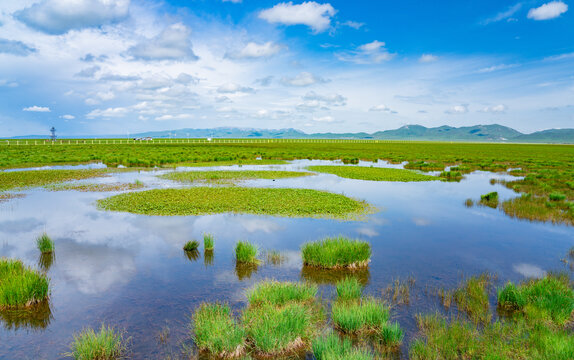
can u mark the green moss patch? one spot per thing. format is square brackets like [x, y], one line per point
[372, 173]
[260, 201]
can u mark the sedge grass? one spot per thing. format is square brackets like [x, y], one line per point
[191, 245]
[246, 253]
[229, 176]
[216, 331]
[364, 315]
[259, 201]
[391, 335]
[472, 298]
[332, 347]
[107, 344]
[372, 173]
[280, 293]
[337, 252]
[349, 289]
[208, 242]
[21, 286]
[45, 244]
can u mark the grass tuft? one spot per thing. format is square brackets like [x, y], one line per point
[246, 253]
[391, 335]
[280, 293]
[21, 286]
[360, 316]
[107, 344]
[332, 347]
[45, 244]
[191, 245]
[472, 298]
[217, 332]
[349, 289]
[337, 252]
[208, 242]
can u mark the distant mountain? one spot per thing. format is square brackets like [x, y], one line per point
[477, 133]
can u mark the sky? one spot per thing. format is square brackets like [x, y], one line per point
[90, 67]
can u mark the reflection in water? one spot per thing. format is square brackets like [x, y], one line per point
[332, 276]
[529, 270]
[37, 317]
[244, 271]
[191, 255]
[45, 261]
[208, 257]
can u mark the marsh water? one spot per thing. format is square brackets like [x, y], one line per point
[130, 271]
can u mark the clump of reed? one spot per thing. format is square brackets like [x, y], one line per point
[390, 335]
[191, 245]
[280, 293]
[400, 291]
[364, 315]
[556, 196]
[21, 286]
[349, 289]
[246, 253]
[472, 298]
[208, 242]
[332, 347]
[274, 257]
[107, 344]
[469, 203]
[217, 332]
[45, 244]
[451, 175]
[490, 199]
[337, 252]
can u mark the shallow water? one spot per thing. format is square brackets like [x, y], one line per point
[130, 271]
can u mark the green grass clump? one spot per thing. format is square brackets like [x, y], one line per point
[216, 331]
[45, 244]
[227, 176]
[191, 245]
[451, 175]
[535, 208]
[259, 201]
[23, 179]
[365, 315]
[472, 298]
[556, 197]
[372, 173]
[332, 347]
[208, 242]
[21, 286]
[349, 289]
[391, 335]
[277, 330]
[510, 297]
[491, 196]
[107, 344]
[246, 253]
[280, 293]
[337, 252]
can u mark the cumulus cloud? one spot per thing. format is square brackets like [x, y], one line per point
[370, 53]
[61, 16]
[68, 117]
[458, 109]
[233, 88]
[316, 16]
[382, 108]
[88, 72]
[36, 108]
[303, 79]
[313, 101]
[107, 113]
[548, 11]
[427, 58]
[171, 44]
[495, 109]
[253, 50]
[327, 119]
[504, 15]
[17, 48]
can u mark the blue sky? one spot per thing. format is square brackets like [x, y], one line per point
[127, 66]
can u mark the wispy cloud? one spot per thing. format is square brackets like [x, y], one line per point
[504, 15]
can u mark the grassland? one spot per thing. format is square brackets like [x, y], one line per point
[239, 162]
[336, 252]
[261, 201]
[373, 173]
[24, 179]
[230, 176]
[21, 286]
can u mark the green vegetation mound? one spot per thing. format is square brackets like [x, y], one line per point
[372, 173]
[337, 252]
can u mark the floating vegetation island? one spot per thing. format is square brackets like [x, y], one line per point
[260, 201]
[230, 176]
[372, 173]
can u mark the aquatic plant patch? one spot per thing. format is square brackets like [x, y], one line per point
[332, 347]
[536, 208]
[96, 187]
[364, 315]
[45, 244]
[239, 162]
[8, 196]
[349, 289]
[21, 286]
[230, 176]
[108, 344]
[23, 179]
[372, 173]
[336, 252]
[216, 331]
[280, 293]
[472, 298]
[191, 245]
[260, 201]
[208, 242]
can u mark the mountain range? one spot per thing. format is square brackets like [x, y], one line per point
[476, 133]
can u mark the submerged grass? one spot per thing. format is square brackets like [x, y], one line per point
[472, 298]
[537, 208]
[45, 244]
[21, 286]
[246, 253]
[280, 293]
[372, 173]
[23, 179]
[332, 347]
[230, 176]
[337, 252]
[107, 344]
[349, 289]
[260, 201]
[364, 315]
[216, 331]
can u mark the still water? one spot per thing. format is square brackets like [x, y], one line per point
[130, 271]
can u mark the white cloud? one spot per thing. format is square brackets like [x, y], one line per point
[254, 50]
[168, 117]
[327, 119]
[17, 48]
[548, 11]
[316, 16]
[233, 88]
[353, 24]
[370, 53]
[504, 14]
[458, 109]
[88, 72]
[171, 44]
[36, 108]
[107, 113]
[233, 1]
[493, 68]
[331, 99]
[382, 108]
[60, 16]
[495, 109]
[303, 79]
[427, 58]
[68, 117]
